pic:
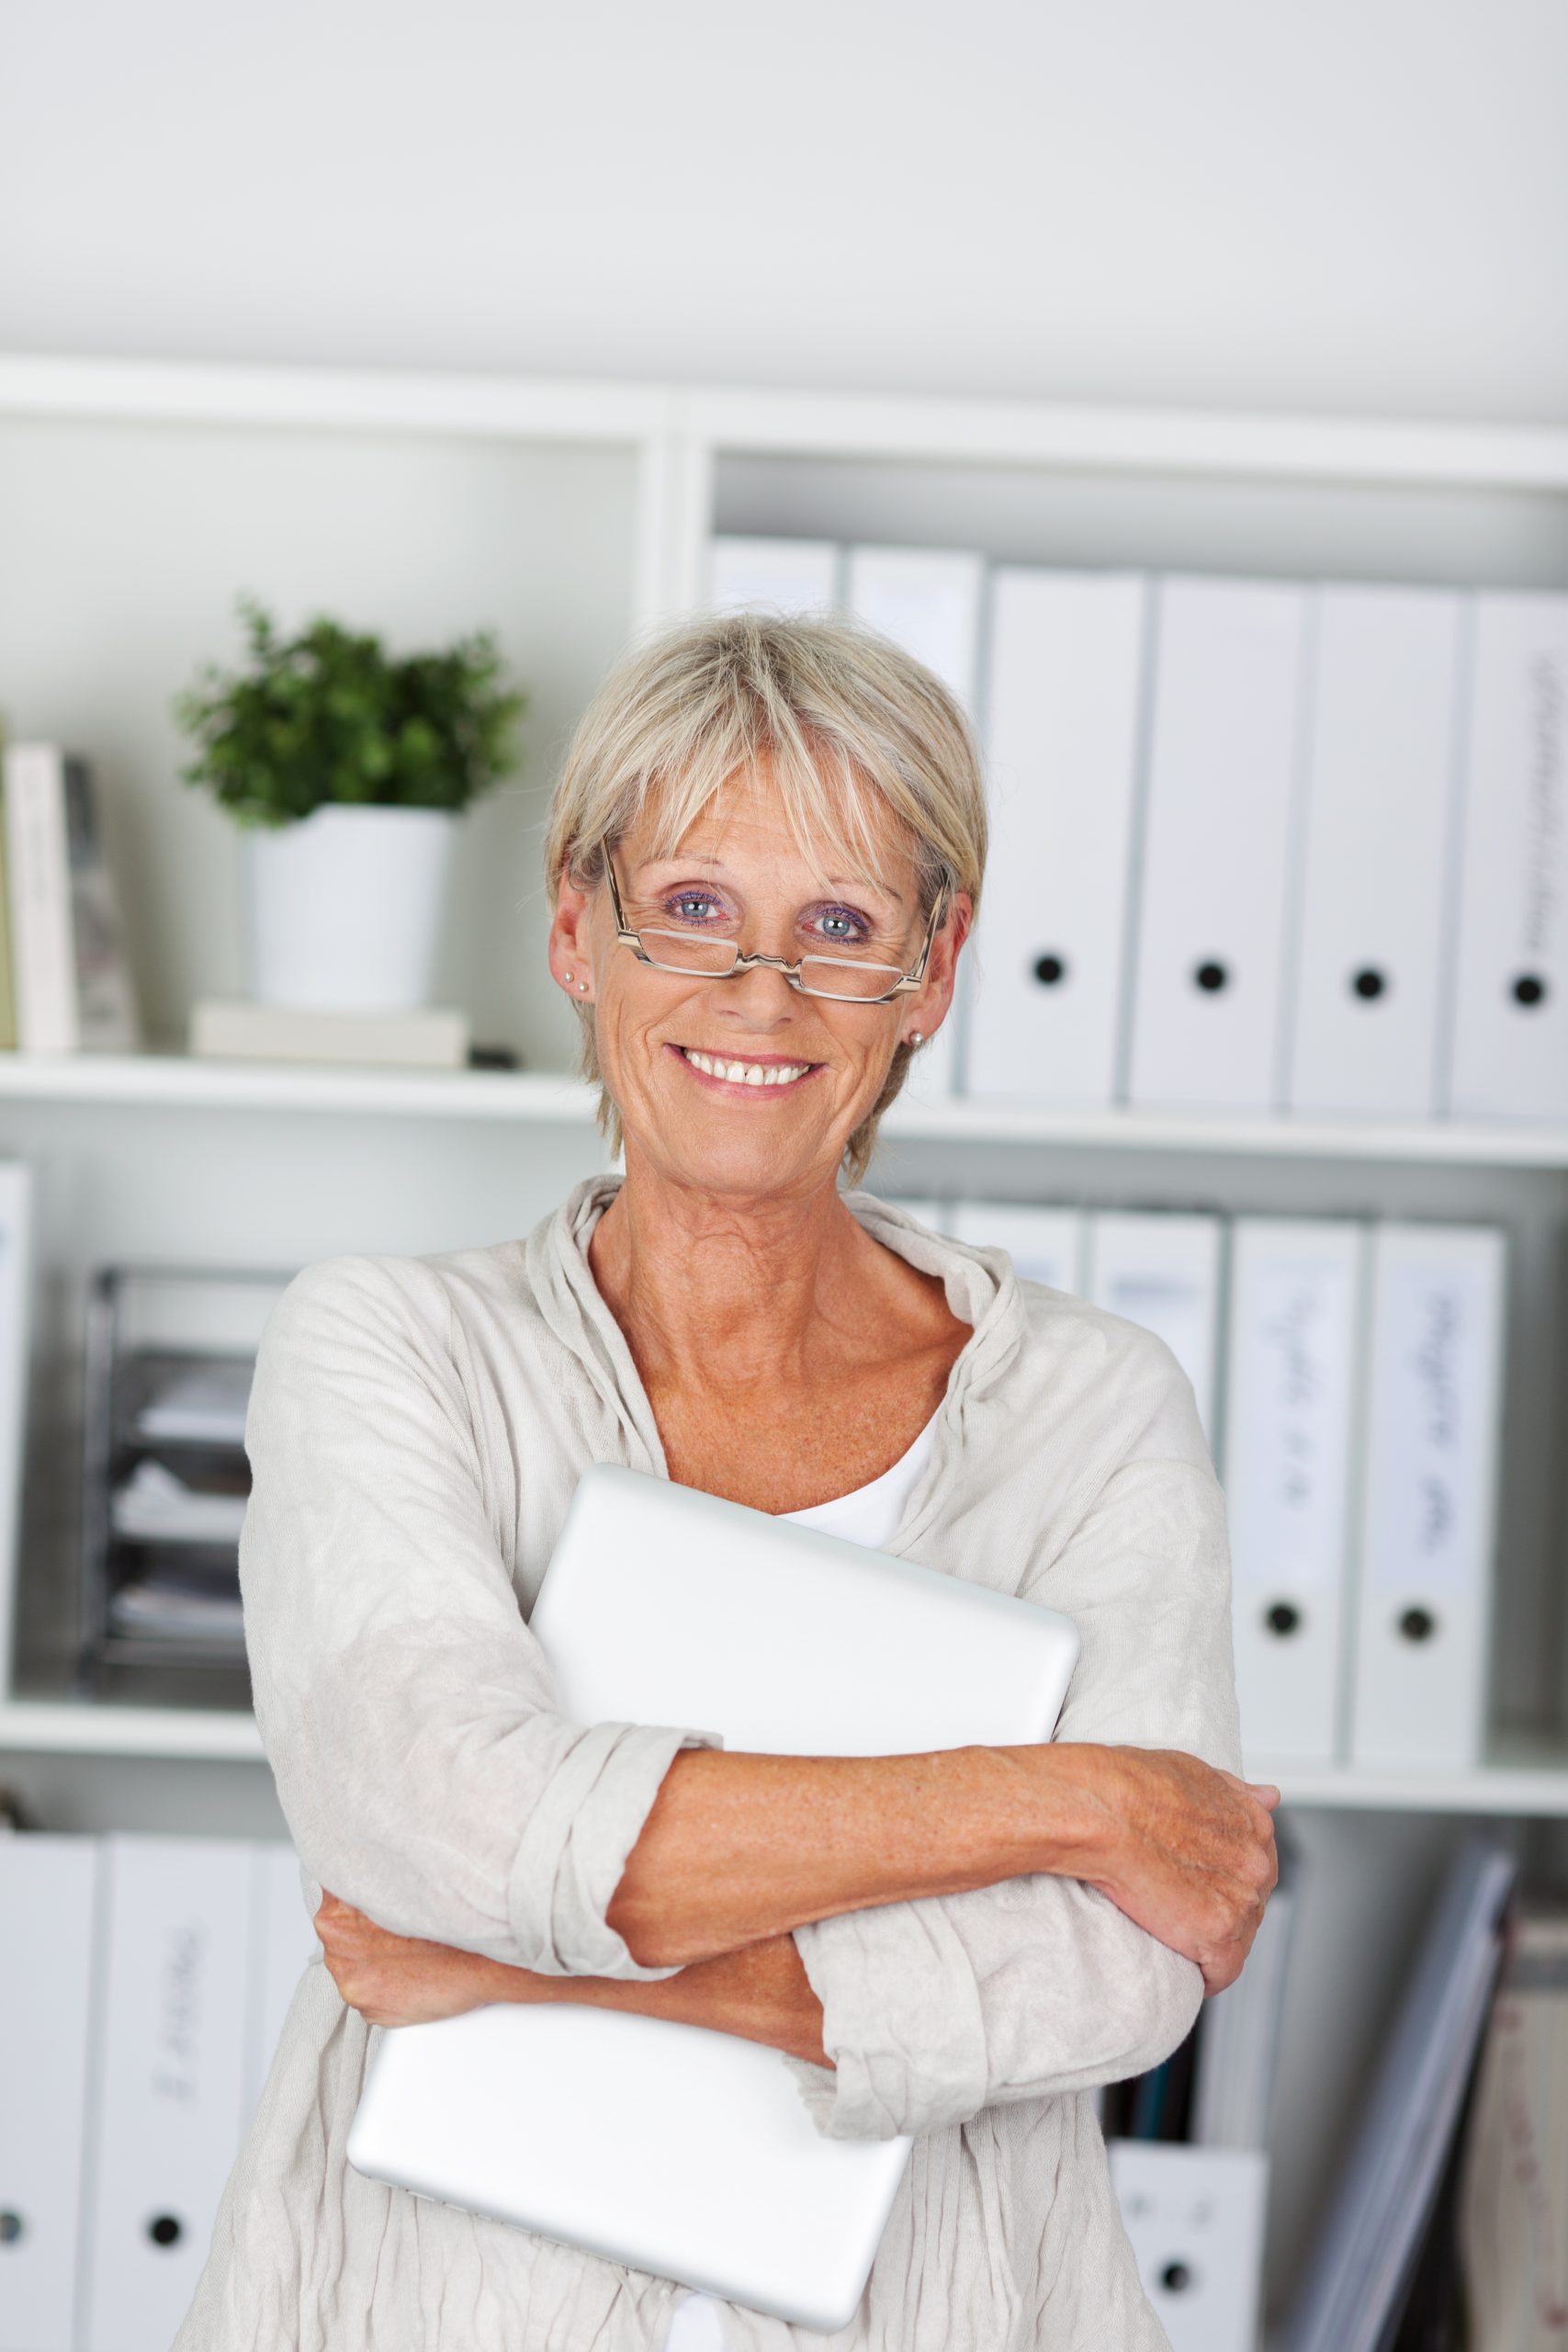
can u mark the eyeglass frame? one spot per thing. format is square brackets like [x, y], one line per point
[905, 985]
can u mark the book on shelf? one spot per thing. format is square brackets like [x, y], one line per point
[231, 1031]
[1238, 2042]
[1359, 2280]
[68, 966]
[1513, 2188]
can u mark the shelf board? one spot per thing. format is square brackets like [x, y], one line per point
[1213, 443]
[83, 1727]
[1523, 1776]
[361, 400]
[175, 1081]
[178, 1081]
[1202, 442]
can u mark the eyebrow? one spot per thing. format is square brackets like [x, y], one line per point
[831, 881]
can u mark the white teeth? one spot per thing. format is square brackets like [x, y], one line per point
[747, 1073]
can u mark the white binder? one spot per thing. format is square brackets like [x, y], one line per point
[928, 601]
[170, 2079]
[282, 1944]
[1292, 1378]
[1379, 842]
[1061, 732]
[1426, 1536]
[47, 1902]
[1223, 759]
[1045, 1245]
[1510, 1054]
[1194, 2217]
[1162, 1271]
[775, 575]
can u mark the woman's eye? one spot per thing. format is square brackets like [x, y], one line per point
[841, 928]
[694, 906]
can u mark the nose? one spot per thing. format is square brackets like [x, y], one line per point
[760, 999]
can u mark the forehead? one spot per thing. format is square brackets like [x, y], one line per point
[755, 817]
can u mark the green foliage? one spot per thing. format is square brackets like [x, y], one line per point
[327, 717]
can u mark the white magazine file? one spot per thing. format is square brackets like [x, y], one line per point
[1045, 1245]
[1206, 992]
[926, 600]
[1061, 732]
[1194, 2217]
[1293, 1363]
[48, 1898]
[1510, 1016]
[170, 2077]
[772, 575]
[1164, 1271]
[1428, 1512]
[1378, 824]
[283, 1943]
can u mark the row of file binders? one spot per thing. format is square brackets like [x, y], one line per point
[1256, 845]
[144, 1986]
[1349, 1377]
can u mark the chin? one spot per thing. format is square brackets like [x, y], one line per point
[709, 1156]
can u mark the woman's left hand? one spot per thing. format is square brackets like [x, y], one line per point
[400, 1980]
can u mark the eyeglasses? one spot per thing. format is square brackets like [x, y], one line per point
[847, 980]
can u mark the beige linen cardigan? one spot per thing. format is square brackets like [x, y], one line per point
[416, 1430]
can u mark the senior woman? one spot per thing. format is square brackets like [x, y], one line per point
[765, 851]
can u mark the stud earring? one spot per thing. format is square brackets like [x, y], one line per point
[916, 1036]
[583, 987]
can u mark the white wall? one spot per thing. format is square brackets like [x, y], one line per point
[1337, 204]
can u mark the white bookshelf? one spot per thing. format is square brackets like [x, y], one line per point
[571, 514]
[599, 498]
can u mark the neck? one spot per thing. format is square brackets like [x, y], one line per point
[710, 1286]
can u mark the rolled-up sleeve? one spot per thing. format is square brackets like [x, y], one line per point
[935, 2009]
[425, 1769]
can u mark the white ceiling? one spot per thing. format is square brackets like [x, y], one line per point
[1351, 203]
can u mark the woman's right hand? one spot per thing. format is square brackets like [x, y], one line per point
[1185, 1850]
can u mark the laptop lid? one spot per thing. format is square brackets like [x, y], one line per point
[666, 2147]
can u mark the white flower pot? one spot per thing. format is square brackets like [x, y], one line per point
[343, 910]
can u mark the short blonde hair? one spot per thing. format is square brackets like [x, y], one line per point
[851, 728]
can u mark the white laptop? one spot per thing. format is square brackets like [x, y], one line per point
[667, 2147]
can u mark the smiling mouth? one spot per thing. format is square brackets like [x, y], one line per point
[739, 1073]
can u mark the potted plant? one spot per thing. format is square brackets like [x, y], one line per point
[347, 768]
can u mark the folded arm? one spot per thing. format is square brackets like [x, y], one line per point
[431, 1781]
[1187, 1848]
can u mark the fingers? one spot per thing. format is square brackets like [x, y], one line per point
[1266, 1794]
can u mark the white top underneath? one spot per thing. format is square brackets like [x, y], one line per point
[869, 1516]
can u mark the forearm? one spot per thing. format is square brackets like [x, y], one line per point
[739, 1849]
[760, 1993]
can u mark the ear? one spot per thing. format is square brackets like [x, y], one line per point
[572, 943]
[929, 1006]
